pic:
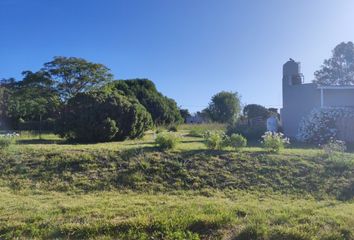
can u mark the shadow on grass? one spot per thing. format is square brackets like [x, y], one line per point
[184, 153]
[40, 141]
[192, 141]
[137, 143]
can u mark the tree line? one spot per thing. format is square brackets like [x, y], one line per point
[80, 100]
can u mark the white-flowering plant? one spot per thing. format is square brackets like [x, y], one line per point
[7, 139]
[334, 146]
[320, 125]
[274, 142]
[10, 135]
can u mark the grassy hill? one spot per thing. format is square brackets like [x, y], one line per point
[131, 190]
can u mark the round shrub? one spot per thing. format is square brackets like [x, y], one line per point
[101, 116]
[215, 140]
[237, 141]
[166, 141]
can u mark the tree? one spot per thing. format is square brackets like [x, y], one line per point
[99, 116]
[185, 114]
[34, 98]
[164, 110]
[29, 100]
[75, 75]
[5, 94]
[254, 110]
[224, 107]
[253, 130]
[339, 69]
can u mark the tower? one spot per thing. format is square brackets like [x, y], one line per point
[292, 73]
[294, 95]
[292, 77]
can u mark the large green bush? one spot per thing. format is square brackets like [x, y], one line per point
[164, 110]
[104, 116]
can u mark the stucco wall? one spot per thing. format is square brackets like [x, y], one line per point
[338, 97]
[298, 102]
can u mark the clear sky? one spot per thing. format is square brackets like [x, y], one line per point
[191, 49]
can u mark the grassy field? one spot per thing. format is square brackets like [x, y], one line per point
[131, 190]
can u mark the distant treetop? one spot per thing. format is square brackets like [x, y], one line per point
[339, 69]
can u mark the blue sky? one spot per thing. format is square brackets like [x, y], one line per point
[191, 49]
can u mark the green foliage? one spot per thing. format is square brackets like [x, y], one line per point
[184, 114]
[339, 69]
[321, 124]
[254, 110]
[75, 75]
[109, 128]
[166, 141]
[246, 127]
[334, 147]
[5, 142]
[5, 95]
[164, 111]
[43, 96]
[104, 116]
[197, 132]
[274, 142]
[33, 99]
[224, 107]
[48, 125]
[173, 128]
[237, 141]
[215, 140]
[218, 140]
[249, 132]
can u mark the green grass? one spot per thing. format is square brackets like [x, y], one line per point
[204, 126]
[131, 190]
[129, 215]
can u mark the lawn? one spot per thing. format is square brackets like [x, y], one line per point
[131, 190]
[178, 215]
